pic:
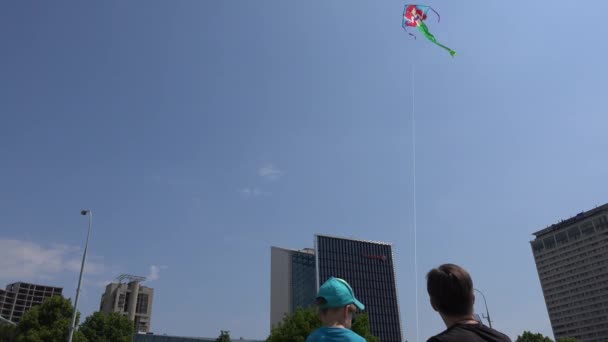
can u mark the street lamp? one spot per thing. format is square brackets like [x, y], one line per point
[486, 304]
[84, 257]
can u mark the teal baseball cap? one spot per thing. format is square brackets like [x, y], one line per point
[336, 293]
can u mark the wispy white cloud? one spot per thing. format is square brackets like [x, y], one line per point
[270, 172]
[253, 192]
[154, 273]
[103, 283]
[26, 260]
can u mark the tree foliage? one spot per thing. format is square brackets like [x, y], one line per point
[568, 339]
[8, 333]
[531, 337]
[114, 327]
[48, 322]
[224, 337]
[297, 326]
[362, 327]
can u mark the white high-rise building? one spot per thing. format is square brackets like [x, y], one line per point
[292, 281]
[572, 262]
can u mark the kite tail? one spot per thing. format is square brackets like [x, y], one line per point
[425, 31]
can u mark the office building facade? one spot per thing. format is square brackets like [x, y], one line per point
[130, 299]
[292, 281]
[369, 267]
[19, 297]
[572, 262]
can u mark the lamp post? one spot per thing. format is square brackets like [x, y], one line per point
[84, 257]
[486, 304]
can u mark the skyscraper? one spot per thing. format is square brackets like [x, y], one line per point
[292, 281]
[572, 263]
[130, 299]
[18, 298]
[368, 266]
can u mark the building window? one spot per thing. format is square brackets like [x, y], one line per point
[574, 233]
[125, 306]
[303, 280]
[142, 303]
[561, 238]
[549, 242]
[537, 246]
[587, 228]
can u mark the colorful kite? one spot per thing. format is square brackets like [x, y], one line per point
[414, 16]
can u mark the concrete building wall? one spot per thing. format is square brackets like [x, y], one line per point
[292, 283]
[280, 284]
[143, 309]
[572, 262]
[134, 292]
[19, 297]
[108, 299]
[132, 300]
[7, 304]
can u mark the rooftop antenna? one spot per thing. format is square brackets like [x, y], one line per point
[124, 278]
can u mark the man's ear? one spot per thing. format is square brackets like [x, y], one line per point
[433, 305]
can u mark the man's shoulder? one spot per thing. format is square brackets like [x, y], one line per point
[500, 336]
[470, 333]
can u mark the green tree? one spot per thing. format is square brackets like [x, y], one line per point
[530, 337]
[8, 333]
[362, 327]
[297, 326]
[224, 336]
[567, 339]
[48, 322]
[114, 327]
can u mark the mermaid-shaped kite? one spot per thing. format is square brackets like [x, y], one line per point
[414, 16]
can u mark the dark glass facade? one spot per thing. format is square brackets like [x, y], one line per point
[304, 289]
[368, 267]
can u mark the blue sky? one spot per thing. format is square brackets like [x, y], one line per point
[200, 133]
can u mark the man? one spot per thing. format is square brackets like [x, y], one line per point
[337, 304]
[451, 290]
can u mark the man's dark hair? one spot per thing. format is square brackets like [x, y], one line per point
[451, 290]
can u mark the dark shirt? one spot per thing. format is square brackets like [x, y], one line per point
[470, 333]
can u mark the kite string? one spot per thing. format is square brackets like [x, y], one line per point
[415, 198]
